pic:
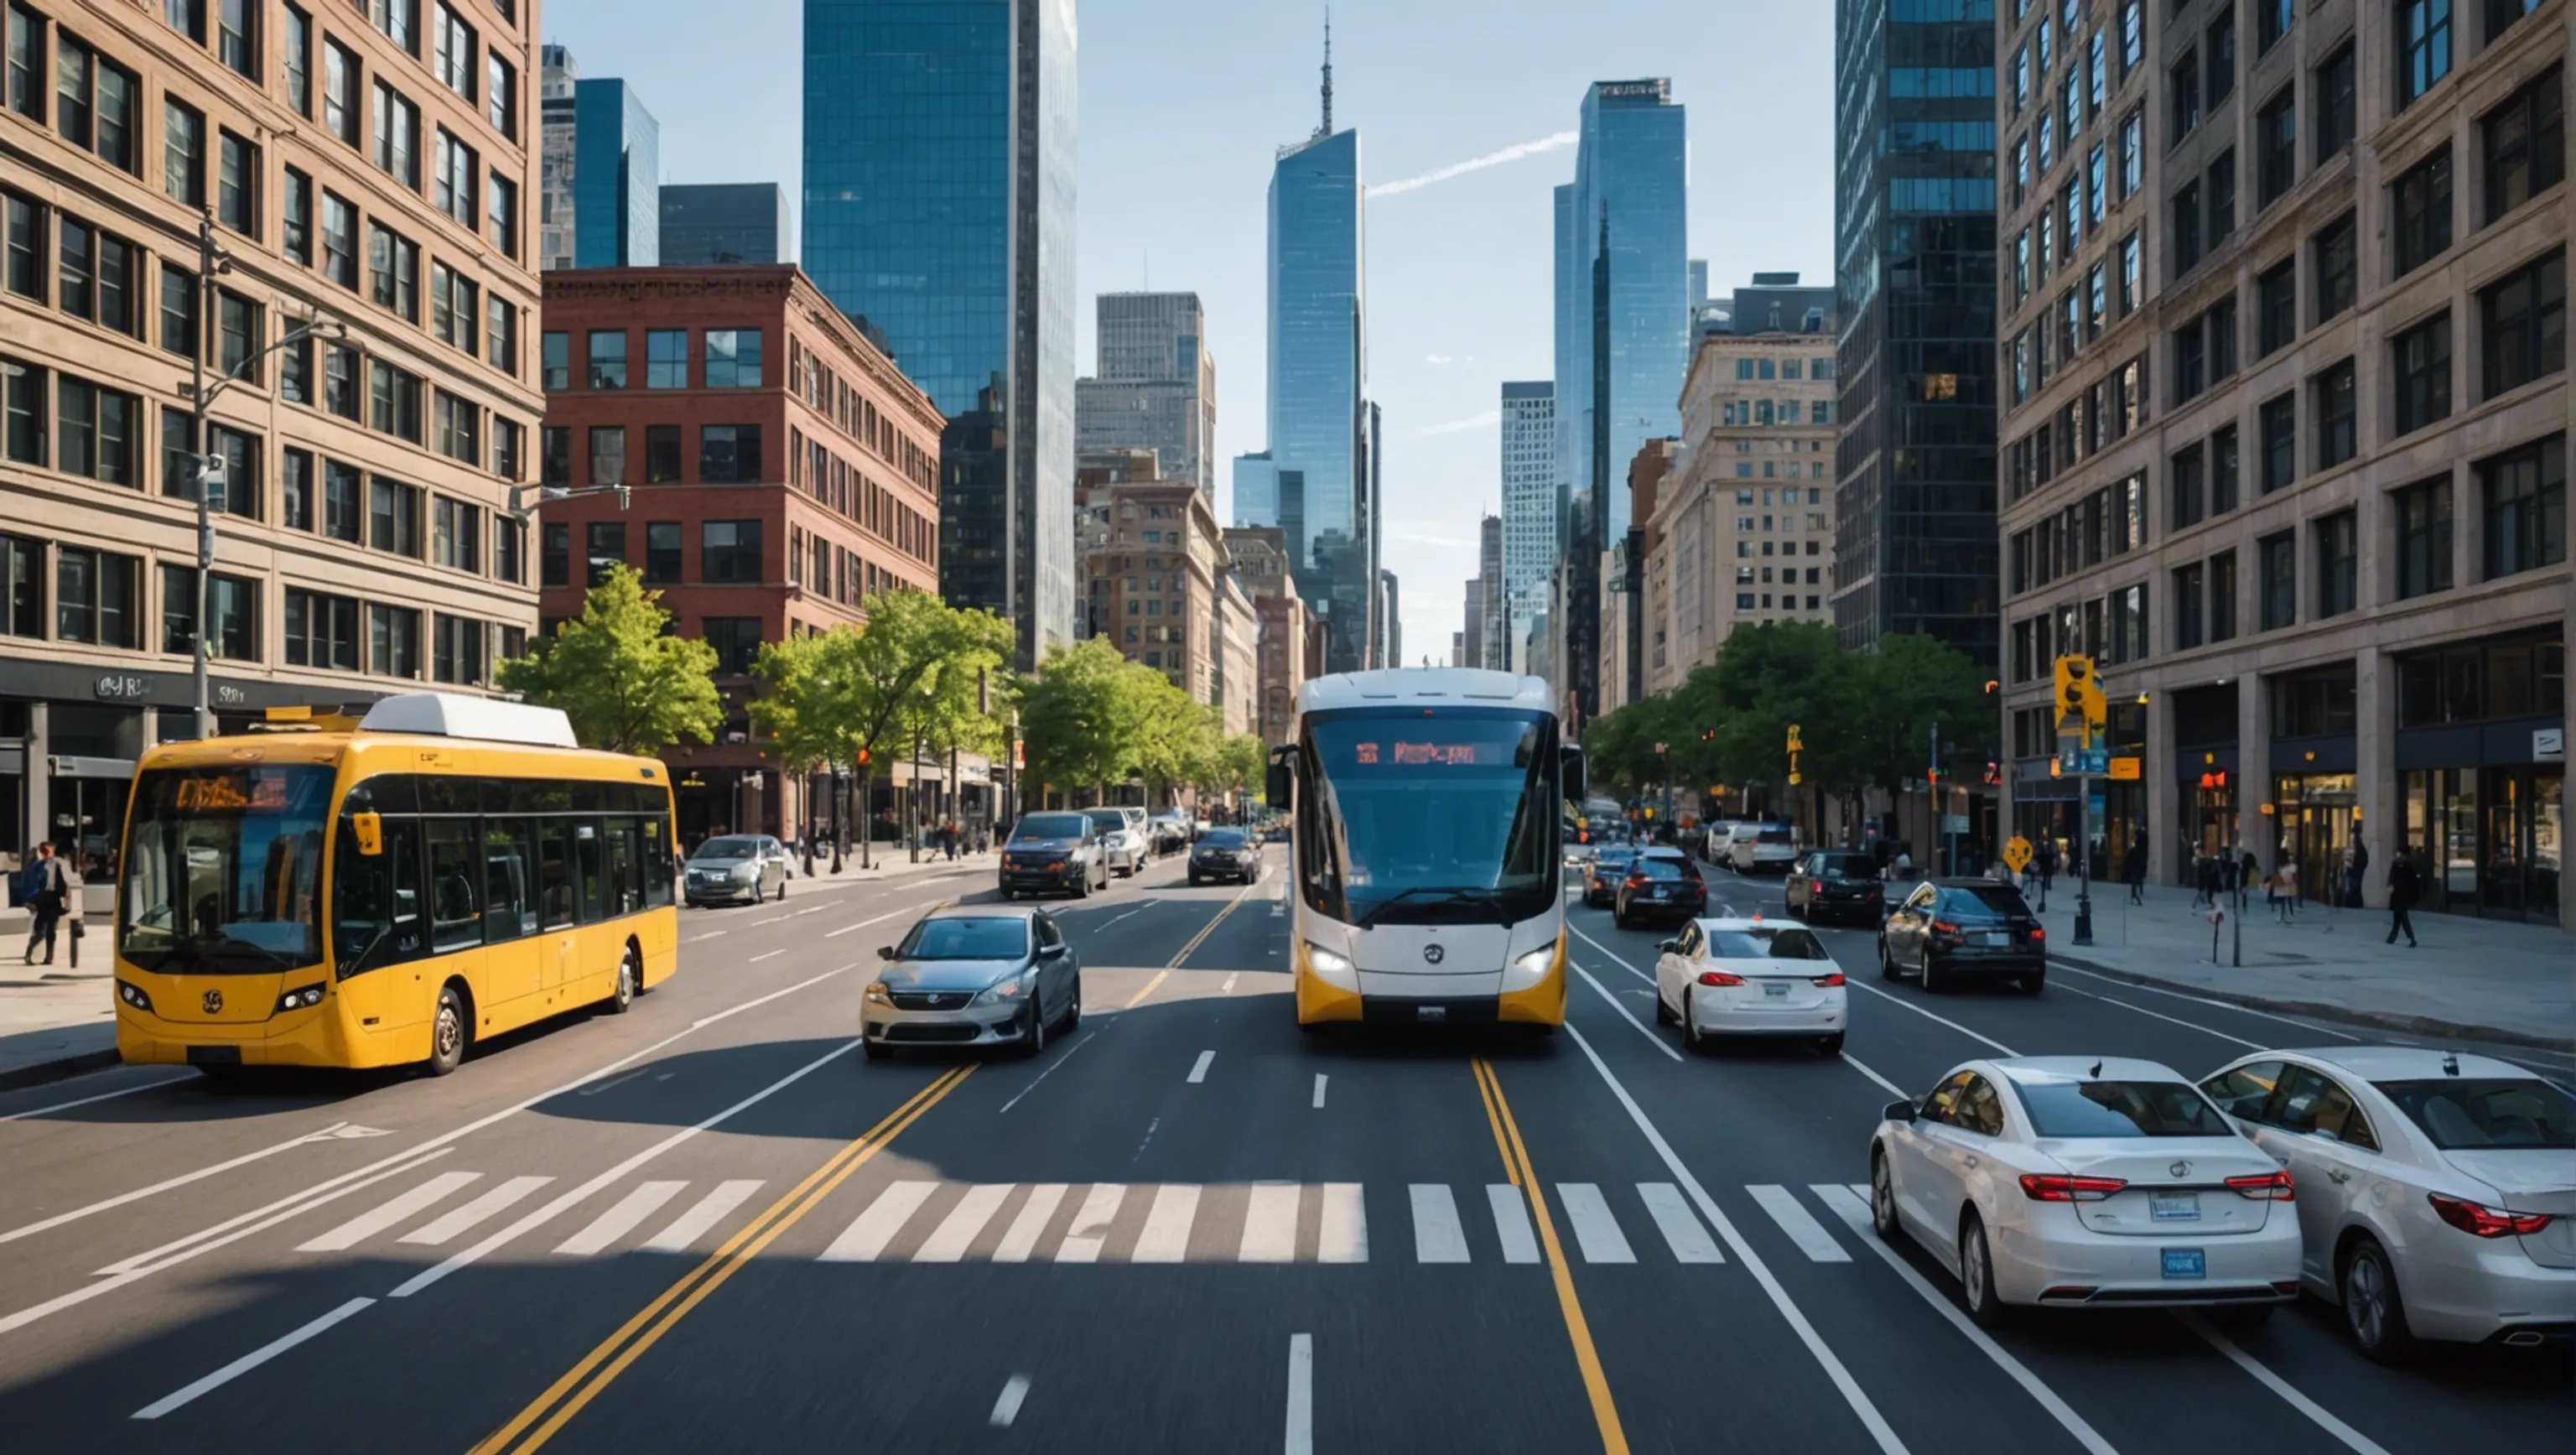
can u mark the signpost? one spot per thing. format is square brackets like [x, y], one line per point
[2017, 854]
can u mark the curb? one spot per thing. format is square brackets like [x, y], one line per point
[2318, 1010]
[61, 1069]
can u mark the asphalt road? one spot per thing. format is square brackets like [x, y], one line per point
[710, 1225]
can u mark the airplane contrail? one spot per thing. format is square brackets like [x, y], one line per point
[1477, 164]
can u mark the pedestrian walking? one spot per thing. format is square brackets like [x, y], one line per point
[2247, 871]
[2405, 886]
[2047, 865]
[2357, 874]
[2285, 890]
[2133, 869]
[44, 889]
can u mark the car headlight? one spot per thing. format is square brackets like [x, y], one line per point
[876, 994]
[1331, 966]
[309, 995]
[1528, 970]
[1004, 992]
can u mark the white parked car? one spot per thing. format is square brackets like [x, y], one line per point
[1742, 977]
[1716, 840]
[2437, 1191]
[1122, 839]
[2067, 1181]
[1762, 848]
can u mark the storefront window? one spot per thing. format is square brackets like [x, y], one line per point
[2312, 827]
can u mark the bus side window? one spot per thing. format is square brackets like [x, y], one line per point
[455, 888]
[509, 910]
[376, 900]
[590, 859]
[659, 863]
[557, 896]
[626, 885]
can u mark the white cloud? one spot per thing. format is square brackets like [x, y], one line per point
[1437, 359]
[1514, 153]
[1458, 426]
[1451, 542]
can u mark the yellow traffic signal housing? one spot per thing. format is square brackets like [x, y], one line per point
[2079, 695]
[1794, 745]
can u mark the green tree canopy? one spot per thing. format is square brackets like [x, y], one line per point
[1086, 714]
[912, 668]
[627, 687]
[1914, 681]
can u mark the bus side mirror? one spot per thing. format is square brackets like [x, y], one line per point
[1277, 788]
[1570, 768]
[370, 831]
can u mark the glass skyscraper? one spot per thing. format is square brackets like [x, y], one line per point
[616, 178]
[1529, 523]
[1631, 276]
[1318, 358]
[1914, 236]
[723, 223]
[939, 193]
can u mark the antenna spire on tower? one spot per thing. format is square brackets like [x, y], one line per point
[1327, 128]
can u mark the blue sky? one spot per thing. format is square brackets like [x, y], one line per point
[1182, 105]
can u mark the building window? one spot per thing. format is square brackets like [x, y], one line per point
[607, 359]
[2524, 319]
[2189, 588]
[237, 184]
[183, 153]
[393, 400]
[340, 381]
[94, 598]
[2421, 360]
[556, 362]
[237, 36]
[2130, 275]
[2220, 188]
[2276, 138]
[501, 334]
[2222, 596]
[231, 602]
[2338, 571]
[2186, 480]
[2337, 268]
[393, 517]
[729, 454]
[501, 94]
[452, 52]
[2525, 499]
[2525, 144]
[509, 445]
[661, 454]
[2272, 20]
[2278, 423]
[2276, 308]
[607, 455]
[2422, 514]
[662, 553]
[321, 630]
[456, 428]
[603, 549]
[343, 502]
[23, 386]
[453, 185]
[2336, 410]
[2187, 248]
[295, 210]
[2279, 563]
[456, 649]
[2133, 158]
[237, 336]
[509, 550]
[2335, 109]
[2421, 198]
[554, 464]
[554, 555]
[397, 136]
[179, 321]
[729, 552]
[393, 641]
[393, 272]
[2423, 47]
[503, 218]
[733, 358]
[2183, 96]
[299, 61]
[666, 358]
[94, 431]
[295, 490]
[340, 92]
[736, 640]
[339, 242]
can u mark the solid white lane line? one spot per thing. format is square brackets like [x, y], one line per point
[1166, 1238]
[1853, 1395]
[764, 955]
[1615, 957]
[622, 1217]
[1094, 1029]
[709, 935]
[1794, 1220]
[250, 1361]
[957, 1232]
[2324, 1419]
[2061, 969]
[376, 1219]
[1022, 1239]
[1681, 1227]
[1658, 1042]
[1270, 1224]
[1131, 914]
[688, 1227]
[1198, 1073]
[2174, 1020]
[1344, 1236]
[1437, 1234]
[1512, 1223]
[1890, 1087]
[1320, 1079]
[1007, 1408]
[1228, 987]
[1090, 1226]
[1301, 1394]
[863, 924]
[865, 1239]
[1979, 1036]
[167, 1183]
[1595, 1230]
[1853, 1208]
[19, 1116]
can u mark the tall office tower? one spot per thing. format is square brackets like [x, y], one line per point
[1155, 385]
[939, 188]
[1698, 285]
[1530, 507]
[1467, 646]
[1914, 236]
[1489, 597]
[556, 79]
[617, 178]
[1256, 491]
[722, 224]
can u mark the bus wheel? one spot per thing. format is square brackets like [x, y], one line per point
[629, 976]
[447, 1033]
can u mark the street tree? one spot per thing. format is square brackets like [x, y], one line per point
[1086, 714]
[1913, 681]
[626, 686]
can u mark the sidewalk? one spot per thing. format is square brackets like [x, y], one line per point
[56, 1021]
[2488, 980]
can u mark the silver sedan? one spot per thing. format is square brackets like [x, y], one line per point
[974, 975]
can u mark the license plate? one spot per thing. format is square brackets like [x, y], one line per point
[1994, 941]
[1654, 894]
[1775, 990]
[2183, 1207]
[1431, 1012]
[2185, 1263]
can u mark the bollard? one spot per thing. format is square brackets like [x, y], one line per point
[2217, 917]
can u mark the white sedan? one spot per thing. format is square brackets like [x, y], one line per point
[2437, 1191]
[2071, 1181]
[1742, 977]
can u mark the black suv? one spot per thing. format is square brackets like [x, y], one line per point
[1831, 882]
[1659, 882]
[1948, 929]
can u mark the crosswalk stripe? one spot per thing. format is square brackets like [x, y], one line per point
[1090, 1227]
[956, 1232]
[1595, 1230]
[1797, 1222]
[710, 1210]
[1680, 1226]
[1847, 1201]
[1511, 1223]
[621, 1218]
[1270, 1223]
[1022, 1239]
[458, 1220]
[865, 1239]
[1345, 1230]
[1437, 1237]
[1166, 1238]
[376, 1219]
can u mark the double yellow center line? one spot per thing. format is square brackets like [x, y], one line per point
[548, 1412]
[1189, 949]
[1516, 1166]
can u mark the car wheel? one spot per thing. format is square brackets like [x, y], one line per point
[1033, 1036]
[876, 1050]
[1194, 880]
[2374, 1313]
[1082, 887]
[448, 1033]
[782, 884]
[1690, 1022]
[1009, 894]
[1830, 1045]
[630, 975]
[1977, 1275]
[1882, 1198]
[1886, 962]
[1663, 1013]
[1073, 1007]
[1932, 979]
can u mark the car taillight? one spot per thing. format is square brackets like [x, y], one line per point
[2037, 933]
[1719, 977]
[1944, 927]
[1636, 879]
[1815, 886]
[2485, 1222]
[2266, 1186]
[1832, 981]
[2057, 1187]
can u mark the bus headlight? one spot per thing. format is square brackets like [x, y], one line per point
[133, 995]
[310, 995]
[1530, 969]
[1331, 967]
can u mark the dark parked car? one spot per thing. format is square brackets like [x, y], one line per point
[1949, 929]
[1831, 883]
[1660, 883]
[1054, 852]
[1601, 876]
[1225, 854]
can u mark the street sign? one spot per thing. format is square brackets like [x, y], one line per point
[1954, 823]
[2095, 761]
[1794, 778]
[2017, 854]
[2125, 769]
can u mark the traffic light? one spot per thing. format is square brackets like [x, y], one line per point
[1994, 774]
[2079, 695]
[863, 757]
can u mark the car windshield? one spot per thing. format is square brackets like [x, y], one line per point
[1222, 839]
[1845, 866]
[2469, 1113]
[1765, 944]
[966, 937]
[1110, 820]
[720, 850]
[1983, 902]
[1658, 867]
[1049, 826]
[1772, 836]
[223, 869]
[2120, 1109]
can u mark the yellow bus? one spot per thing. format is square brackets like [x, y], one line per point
[388, 891]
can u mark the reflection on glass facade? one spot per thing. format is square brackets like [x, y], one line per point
[723, 223]
[939, 194]
[1317, 327]
[1529, 503]
[1631, 270]
[1914, 239]
[1256, 490]
[617, 175]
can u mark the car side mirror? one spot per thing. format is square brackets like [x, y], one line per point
[885, 952]
[1670, 947]
[1051, 952]
[1570, 771]
[1278, 787]
[1900, 1111]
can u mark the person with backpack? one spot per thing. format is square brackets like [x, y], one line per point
[44, 887]
[2405, 886]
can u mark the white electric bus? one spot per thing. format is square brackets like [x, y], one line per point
[1424, 847]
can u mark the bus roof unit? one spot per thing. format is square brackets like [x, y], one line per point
[451, 715]
[1455, 686]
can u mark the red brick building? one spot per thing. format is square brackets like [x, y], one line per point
[781, 468]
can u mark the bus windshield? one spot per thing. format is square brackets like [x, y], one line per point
[223, 869]
[1448, 818]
